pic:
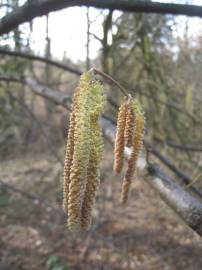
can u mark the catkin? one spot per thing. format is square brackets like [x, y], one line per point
[80, 159]
[119, 140]
[129, 127]
[96, 150]
[139, 123]
[83, 153]
[69, 151]
[93, 175]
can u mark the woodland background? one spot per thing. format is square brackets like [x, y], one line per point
[147, 56]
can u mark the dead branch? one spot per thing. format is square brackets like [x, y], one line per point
[185, 205]
[166, 161]
[33, 9]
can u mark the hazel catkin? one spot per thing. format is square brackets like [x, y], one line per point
[96, 150]
[69, 150]
[129, 126]
[119, 140]
[83, 152]
[93, 175]
[80, 159]
[139, 123]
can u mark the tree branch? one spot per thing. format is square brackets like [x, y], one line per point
[79, 72]
[185, 205]
[183, 147]
[41, 59]
[168, 163]
[32, 9]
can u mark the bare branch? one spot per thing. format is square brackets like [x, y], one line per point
[183, 147]
[79, 72]
[33, 9]
[185, 205]
[41, 59]
[166, 161]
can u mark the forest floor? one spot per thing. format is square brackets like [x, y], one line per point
[144, 235]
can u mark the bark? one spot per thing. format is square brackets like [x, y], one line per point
[33, 9]
[185, 205]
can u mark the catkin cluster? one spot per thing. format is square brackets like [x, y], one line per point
[83, 153]
[130, 131]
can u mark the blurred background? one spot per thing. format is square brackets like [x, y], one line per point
[158, 59]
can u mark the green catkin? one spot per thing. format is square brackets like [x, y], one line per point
[89, 104]
[139, 123]
[80, 159]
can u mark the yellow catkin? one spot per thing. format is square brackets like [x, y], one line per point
[68, 162]
[85, 161]
[129, 128]
[119, 140]
[136, 149]
[93, 176]
[80, 159]
[69, 151]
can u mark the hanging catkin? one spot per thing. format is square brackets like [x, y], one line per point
[96, 150]
[88, 104]
[139, 123]
[80, 160]
[129, 127]
[69, 150]
[119, 140]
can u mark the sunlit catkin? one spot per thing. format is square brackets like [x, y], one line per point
[129, 127]
[119, 140]
[139, 123]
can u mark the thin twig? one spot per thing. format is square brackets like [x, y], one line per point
[103, 74]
